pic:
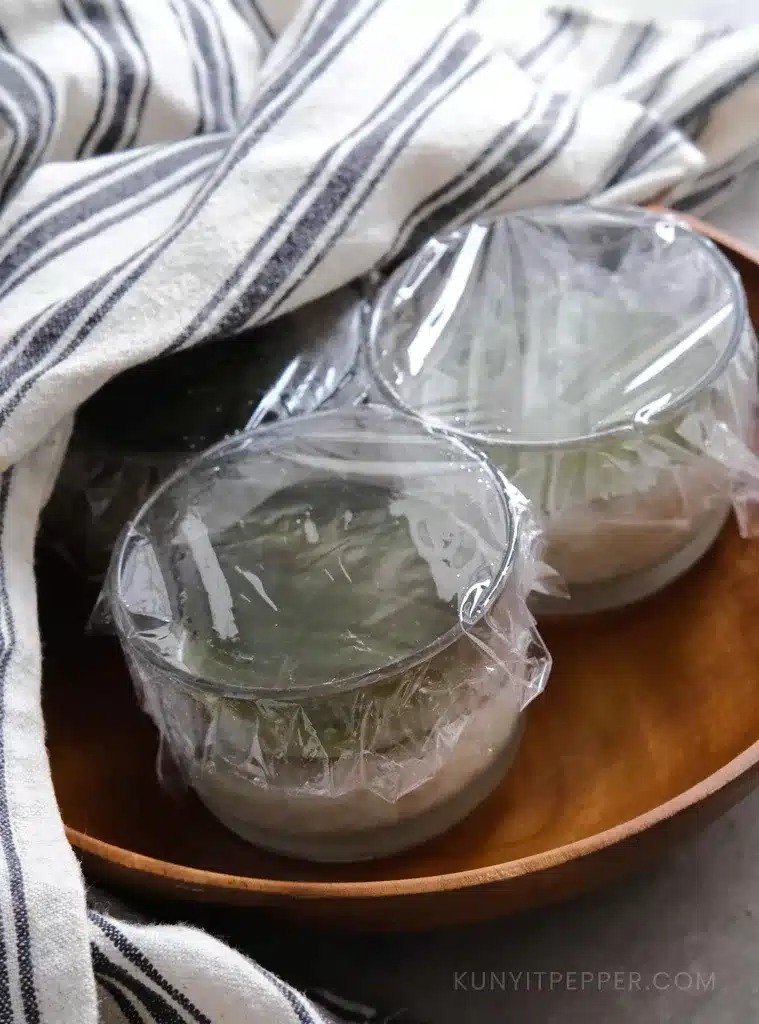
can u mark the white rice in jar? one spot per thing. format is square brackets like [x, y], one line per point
[604, 360]
[326, 619]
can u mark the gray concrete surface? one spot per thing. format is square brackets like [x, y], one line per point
[677, 944]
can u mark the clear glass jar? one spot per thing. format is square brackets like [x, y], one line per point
[326, 619]
[605, 362]
[147, 421]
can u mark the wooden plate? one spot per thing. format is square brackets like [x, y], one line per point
[649, 728]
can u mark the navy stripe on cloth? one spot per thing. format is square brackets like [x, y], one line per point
[126, 1007]
[77, 18]
[324, 204]
[222, 88]
[137, 958]
[169, 166]
[23, 946]
[28, 101]
[483, 181]
[124, 69]
[251, 12]
[313, 59]
[449, 202]
[563, 21]
[102, 171]
[161, 1011]
[298, 1002]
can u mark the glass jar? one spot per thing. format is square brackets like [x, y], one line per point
[327, 621]
[605, 362]
[145, 422]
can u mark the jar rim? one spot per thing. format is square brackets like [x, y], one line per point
[625, 428]
[257, 439]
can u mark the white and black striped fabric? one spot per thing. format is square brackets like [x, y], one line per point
[176, 170]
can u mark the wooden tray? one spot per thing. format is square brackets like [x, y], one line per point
[649, 728]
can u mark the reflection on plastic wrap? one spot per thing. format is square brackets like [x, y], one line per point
[147, 421]
[605, 361]
[327, 621]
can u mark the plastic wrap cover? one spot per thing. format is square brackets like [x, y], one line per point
[603, 359]
[144, 423]
[326, 618]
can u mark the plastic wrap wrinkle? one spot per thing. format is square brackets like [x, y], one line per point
[604, 360]
[188, 402]
[350, 652]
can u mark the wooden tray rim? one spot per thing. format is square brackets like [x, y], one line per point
[474, 877]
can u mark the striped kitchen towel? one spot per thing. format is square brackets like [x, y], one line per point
[176, 170]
